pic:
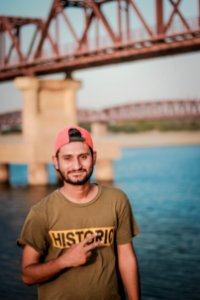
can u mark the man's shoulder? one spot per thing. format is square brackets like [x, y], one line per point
[49, 199]
[114, 191]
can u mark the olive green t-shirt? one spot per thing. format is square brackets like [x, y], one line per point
[55, 223]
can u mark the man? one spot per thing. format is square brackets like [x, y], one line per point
[76, 238]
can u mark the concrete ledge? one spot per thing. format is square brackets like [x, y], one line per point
[156, 139]
[14, 149]
[107, 149]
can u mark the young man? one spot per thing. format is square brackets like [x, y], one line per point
[76, 238]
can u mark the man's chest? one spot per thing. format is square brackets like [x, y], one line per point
[71, 226]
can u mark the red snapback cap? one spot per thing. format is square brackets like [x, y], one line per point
[63, 137]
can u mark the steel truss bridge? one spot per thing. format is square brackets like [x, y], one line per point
[144, 111]
[141, 111]
[81, 34]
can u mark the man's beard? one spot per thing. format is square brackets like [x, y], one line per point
[78, 181]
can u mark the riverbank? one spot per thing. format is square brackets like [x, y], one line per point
[152, 138]
[155, 138]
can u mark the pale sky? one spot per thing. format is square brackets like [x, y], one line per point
[171, 77]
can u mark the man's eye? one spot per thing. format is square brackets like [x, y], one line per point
[67, 158]
[84, 156]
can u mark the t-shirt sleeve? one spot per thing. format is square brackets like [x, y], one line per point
[127, 227]
[34, 231]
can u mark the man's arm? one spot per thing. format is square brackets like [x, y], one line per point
[34, 271]
[129, 272]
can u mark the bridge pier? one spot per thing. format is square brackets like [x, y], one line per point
[104, 170]
[4, 173]
[99, 128]
[37, 174]
[48, 106]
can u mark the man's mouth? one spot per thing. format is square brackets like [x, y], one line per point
[77, 173]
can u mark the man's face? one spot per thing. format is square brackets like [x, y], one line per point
[75, 163]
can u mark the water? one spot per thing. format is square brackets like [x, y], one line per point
[19, 174]
[163, 185]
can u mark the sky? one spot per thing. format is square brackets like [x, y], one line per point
[171, 77]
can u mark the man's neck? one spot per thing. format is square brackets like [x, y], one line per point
[79, 193]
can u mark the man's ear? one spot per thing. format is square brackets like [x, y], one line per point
[94, 157]
[55, 162]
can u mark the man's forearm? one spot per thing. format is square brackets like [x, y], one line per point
[34, 272]
[130, 278]
[40, 272]
[129, 272]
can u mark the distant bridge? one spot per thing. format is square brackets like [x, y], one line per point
[155, 110]
[141, 111]
[11, 119]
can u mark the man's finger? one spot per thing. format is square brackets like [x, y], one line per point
[88, 254]
[88, 239]
[89, 247]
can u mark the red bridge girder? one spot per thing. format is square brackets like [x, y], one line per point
[79, 34]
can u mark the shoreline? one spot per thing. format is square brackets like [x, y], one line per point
[154, 138]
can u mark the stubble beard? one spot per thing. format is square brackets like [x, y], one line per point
[82, 181]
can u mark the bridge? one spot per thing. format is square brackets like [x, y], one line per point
[141, 111]
[81, 34]
[144, 111]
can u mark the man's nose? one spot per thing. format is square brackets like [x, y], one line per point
[76, 164]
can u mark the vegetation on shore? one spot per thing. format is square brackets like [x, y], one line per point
[136, 126]
[143, 126]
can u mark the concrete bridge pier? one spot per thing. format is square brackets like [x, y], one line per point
[107, 151]
[104, 170]
[4, 173]
[48, 106]
[37, 174]
[99, 128]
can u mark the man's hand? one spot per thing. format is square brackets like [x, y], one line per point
[78, 254]
[35, 272]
